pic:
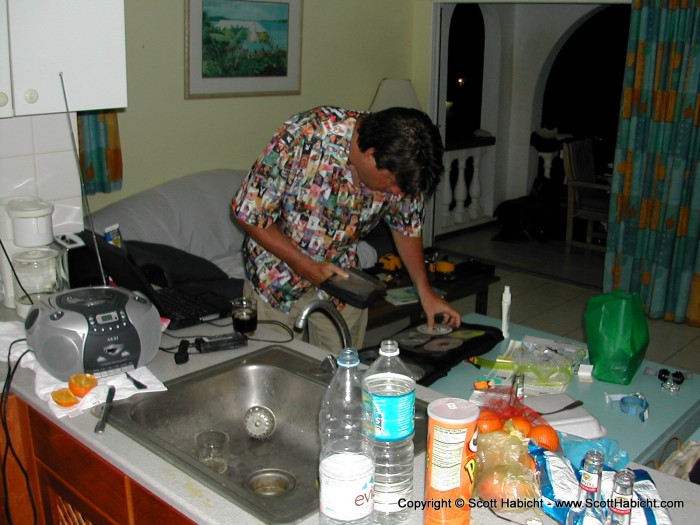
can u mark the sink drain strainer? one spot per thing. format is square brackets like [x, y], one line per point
[259, 422]
[271, 482]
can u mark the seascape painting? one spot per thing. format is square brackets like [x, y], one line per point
[244, 39]
[241, 47]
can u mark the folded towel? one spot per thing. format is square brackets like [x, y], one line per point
[45, 383]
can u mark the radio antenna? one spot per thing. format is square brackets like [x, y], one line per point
[83, 195]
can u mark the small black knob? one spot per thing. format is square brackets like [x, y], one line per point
[678, 377]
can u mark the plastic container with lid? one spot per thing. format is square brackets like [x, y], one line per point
[31, 221]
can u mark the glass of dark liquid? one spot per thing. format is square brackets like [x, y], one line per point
[245, 315]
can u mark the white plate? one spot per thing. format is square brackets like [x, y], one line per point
[576, 421]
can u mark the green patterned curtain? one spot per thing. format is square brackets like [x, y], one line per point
[655, 214]
[100, 151]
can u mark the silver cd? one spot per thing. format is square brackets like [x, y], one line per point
[411, 338]
[443, 344]
[437, 329]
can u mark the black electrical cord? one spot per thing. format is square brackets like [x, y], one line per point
[9, 447]
[289, 331]
[173, 349]
[9, 260]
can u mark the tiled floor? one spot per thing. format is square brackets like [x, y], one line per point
[555, 303]
[547, 259]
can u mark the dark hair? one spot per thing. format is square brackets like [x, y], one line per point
[408, 144]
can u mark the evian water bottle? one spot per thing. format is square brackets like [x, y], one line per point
[346, 470]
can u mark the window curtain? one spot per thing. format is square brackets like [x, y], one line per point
[654, 221]
[99, 151]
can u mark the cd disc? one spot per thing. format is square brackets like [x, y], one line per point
[438, 329]
[442, 344]
[412, 340]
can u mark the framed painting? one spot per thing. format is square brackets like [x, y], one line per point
[242, 48]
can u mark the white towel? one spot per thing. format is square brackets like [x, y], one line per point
[45, 383]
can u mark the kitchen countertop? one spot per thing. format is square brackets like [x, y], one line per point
[205, 506]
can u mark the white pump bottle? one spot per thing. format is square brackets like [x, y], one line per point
[505, 312]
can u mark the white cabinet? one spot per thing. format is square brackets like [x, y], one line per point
[81, 40]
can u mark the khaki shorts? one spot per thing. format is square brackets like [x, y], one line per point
[322, 331]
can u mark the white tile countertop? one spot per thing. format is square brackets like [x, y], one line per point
[205, 506]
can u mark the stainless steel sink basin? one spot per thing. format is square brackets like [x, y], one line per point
[273, 394]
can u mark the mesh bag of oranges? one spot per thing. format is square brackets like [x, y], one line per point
[501, 411]
[506, 473]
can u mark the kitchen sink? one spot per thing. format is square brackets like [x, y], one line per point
[268, 403]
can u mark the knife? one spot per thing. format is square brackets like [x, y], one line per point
[99, 428]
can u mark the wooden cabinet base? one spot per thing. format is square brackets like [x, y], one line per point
[71, 485]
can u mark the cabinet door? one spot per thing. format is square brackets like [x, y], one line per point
[81, 41]
[5, 79]
[78, 487]
[20, 497]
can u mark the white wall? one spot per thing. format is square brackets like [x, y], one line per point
[37, 160]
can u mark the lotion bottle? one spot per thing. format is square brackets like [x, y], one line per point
[505, 312]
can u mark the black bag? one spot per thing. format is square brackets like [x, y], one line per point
[431, 357]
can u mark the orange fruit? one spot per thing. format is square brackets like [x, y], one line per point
[545, 436]
[64, 397]
[522, 424]
[488, 421]
[81, 384]
[501, 483]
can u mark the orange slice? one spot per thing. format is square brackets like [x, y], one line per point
[64, 397]
[81, 384]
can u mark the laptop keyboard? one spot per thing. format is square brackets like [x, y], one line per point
[180, 306]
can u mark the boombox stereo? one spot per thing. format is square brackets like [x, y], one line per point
[100, 330]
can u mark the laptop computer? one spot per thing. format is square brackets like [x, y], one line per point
[185, 304]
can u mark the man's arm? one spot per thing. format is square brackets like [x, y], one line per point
[276, 243]
[411, 252]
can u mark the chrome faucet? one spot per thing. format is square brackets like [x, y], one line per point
[327, 307]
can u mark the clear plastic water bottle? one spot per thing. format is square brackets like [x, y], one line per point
[389, 398]
[346, 469]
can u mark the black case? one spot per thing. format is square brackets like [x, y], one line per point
[433, 359]
[358, 289]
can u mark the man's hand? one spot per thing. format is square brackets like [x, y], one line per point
[411, 253]
[317, 272]
[435, 307]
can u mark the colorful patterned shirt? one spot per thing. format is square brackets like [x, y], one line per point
[302, 184]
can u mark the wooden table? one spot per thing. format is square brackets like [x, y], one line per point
[382, 312]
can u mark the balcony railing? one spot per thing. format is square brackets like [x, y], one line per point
[457, 203]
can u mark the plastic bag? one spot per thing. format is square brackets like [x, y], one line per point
[559, 482]
[506, 474]
[546, 372]
[618, 336]
[575, 449]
